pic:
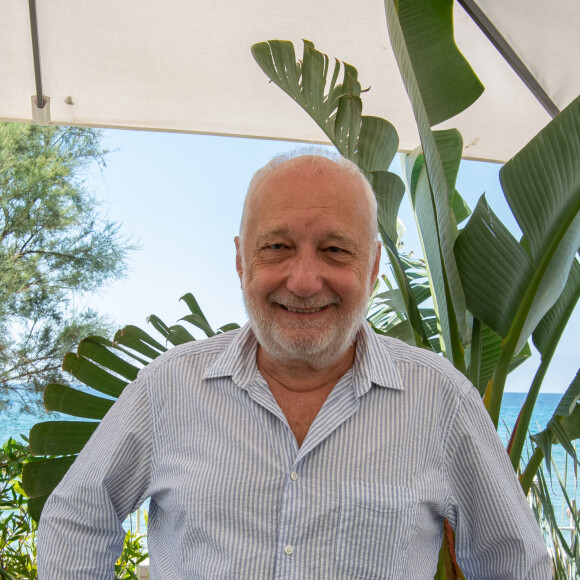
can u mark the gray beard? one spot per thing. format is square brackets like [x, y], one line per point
[320, 351]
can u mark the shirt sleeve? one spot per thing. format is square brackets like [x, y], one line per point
[496, 533]
[80, 534]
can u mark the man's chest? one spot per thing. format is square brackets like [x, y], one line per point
[236, 480]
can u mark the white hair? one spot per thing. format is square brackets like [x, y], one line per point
[314, 154]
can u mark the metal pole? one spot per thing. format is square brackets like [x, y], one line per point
[36, 54]
[510, 55]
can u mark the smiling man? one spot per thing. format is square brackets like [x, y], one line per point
[302, 446]
[307, 258]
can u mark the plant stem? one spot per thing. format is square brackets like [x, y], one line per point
[498, 382]
[519, 435]
[531, 469]
[475, 359]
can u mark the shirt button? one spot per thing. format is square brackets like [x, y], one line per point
[293, 476]
[289, 550]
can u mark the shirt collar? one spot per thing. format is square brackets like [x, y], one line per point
[238, 360]
[373, 362]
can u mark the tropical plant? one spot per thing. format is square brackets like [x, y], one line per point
[490, 292]
[564, 544]
[530, 286]
[105, 366]
[17, 528]
[54, 244]
[134, 553]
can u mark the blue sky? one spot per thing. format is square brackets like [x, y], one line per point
[179, 197]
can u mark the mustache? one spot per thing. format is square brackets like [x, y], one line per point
[303, 303]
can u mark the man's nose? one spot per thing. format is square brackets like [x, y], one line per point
[304, 276]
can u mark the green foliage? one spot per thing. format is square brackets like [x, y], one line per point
[564, 545]
[54, 245]
[102, 366]
[17, 528]
[134, 553]
[489, 291]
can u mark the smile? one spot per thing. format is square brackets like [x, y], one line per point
[303, 310]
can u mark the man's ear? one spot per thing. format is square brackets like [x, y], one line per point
[238, 242]
[376, 264]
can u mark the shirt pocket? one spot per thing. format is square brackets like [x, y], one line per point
[376, 523]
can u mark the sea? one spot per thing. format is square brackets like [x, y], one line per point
[14, 424]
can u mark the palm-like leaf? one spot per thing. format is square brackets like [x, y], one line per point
[371, 142]
[416, 34]
[437, 233]
[563, 428]
[546, 338]
[511, 285]
[104, 366]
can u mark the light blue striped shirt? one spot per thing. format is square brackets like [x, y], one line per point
[402, 442]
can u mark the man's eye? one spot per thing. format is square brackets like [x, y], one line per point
[275, 246]
[334, 250]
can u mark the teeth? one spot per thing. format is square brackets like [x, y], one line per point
[310, 311]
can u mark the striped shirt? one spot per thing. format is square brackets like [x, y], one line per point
[401, 442]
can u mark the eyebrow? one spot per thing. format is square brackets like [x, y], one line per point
[338, 237]
[274, 232]
[283, 232]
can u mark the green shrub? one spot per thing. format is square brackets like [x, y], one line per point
[18, 529]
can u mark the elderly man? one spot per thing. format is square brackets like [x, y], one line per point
[302, 446]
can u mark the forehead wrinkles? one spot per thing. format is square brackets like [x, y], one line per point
[324, 178]
[282, 232]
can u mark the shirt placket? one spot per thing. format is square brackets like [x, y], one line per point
[288, 556]
[295, 507]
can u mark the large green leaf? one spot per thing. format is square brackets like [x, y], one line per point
[389, 191]
[445, 79]
[371, 142]
[527, 278]
[39, 478]
[92, 375]
[305, 81]
[546, 338]
[95, 349]
[60, 437]
[138, 340]
[494, 267]
[194, 307]
[200, 322]
[448, 147]
[378, 144]
[510, 286]
[461, 210]
[447, 285]
[64, 399]
[179, 335]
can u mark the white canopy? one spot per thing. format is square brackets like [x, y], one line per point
[185, 65]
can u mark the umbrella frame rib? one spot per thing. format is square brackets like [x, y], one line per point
[40, 101]
[510, 55]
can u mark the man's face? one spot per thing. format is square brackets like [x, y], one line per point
[307, 261]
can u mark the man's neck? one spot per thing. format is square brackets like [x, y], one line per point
[300, 389]
[301, 376]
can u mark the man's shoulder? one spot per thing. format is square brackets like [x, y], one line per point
[412, 359]
[195, 352]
